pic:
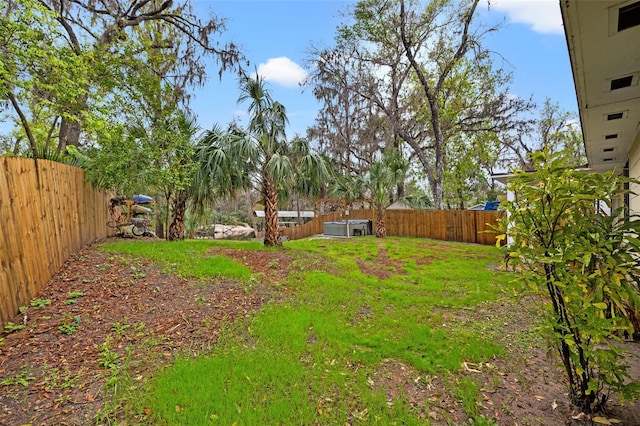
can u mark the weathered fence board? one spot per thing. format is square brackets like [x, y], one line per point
[47, 212]
[466, 226]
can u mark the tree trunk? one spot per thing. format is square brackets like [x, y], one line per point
[271, 230]
[69, 134]
[178, 210]
[381, 230]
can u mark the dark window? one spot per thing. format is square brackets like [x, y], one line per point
[615, 116]
[629, 16]
[619, 83]
[613, 136]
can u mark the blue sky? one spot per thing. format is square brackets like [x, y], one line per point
[275, 37]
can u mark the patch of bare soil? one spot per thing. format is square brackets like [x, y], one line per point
[381, 267]
[55, 369]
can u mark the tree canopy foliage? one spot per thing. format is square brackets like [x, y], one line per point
[74, 70]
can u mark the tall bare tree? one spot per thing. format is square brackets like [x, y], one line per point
[350, 129]
[554, 130]
[428, 73]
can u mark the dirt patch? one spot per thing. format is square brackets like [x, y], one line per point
[271, 265]
[128, 303]
[150, 316]
[381, 267]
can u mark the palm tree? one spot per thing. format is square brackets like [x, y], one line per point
[380, 181]
[312, 173]
[376, 186]
[260, 156]
[180, 167]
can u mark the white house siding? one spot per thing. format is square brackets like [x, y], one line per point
[634, 172]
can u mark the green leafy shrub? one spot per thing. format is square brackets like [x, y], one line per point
[585, 261]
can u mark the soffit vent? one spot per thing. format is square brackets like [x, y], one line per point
[615, 116]
[606, 160]
[629, 16]
[613, 136]
[608, 149]
[622, 82]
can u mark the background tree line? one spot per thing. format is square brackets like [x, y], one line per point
[414, 107]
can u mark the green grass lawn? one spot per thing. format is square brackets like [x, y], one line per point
[315, 357]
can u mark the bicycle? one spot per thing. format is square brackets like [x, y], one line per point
[124, 223]
[138, 226]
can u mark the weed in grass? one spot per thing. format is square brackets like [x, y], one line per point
[200, 300]
[109, 359]
[120, 392]
[119, 328]
[467, 393]
[54, 378]
[11, 327]
[63, 399]
[139, 326]
[274, 264]
[69, 324]
[136, 273]
[153, 342]
[482, 420]
[22, 378]
[72, 297]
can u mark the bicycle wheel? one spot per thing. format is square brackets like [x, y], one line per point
[138, 230]
[112, 224]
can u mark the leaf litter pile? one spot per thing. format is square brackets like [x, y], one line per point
[101, 309]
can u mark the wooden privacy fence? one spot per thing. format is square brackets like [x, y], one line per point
[47, 212]
[467, 226]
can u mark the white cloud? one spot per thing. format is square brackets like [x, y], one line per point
[282, 71]
[543, 16]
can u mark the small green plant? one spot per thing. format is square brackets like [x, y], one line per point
[40, 303]
[200, 300]
[73, 297]
[56, 379]
[466, 392]
[274, 264]
[139, 326]
[109, 359]
[482, 420]
[120, 327]
[69, 324]
[22, 309]
[136, 273]
[11, 327]
[23, 378]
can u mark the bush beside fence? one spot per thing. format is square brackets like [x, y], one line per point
[47, 212]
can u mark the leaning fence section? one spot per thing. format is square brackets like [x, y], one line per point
[47, 212]
[465, 226]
